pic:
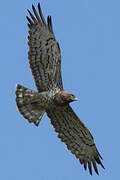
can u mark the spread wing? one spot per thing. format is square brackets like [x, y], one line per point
[76, 136]
[44, 52]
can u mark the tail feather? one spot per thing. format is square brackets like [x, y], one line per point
[26, 101]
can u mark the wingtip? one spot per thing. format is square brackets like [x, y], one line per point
[97, 173]
[102, 165]
[85, 166]
[41, 14]
[90, 173]
[28, 10]
[90, 167]
[33, 7]
[39, 8]
[39, 4]
[96, 170]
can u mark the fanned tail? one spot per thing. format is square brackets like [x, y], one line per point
[26, 101]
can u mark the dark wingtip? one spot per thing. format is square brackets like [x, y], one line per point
[28, 11]
[90, 168]
[33, 6]
[41, 14]
[95, 166]
[100, 155]
[31, 15]
[97, 173]
[29, 26]
[99, 161]
[49, 22]
[85, 166]
[35, 13]
[102, 166]
[29, 20]
[90, 172]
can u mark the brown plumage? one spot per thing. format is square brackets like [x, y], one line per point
[45, 63]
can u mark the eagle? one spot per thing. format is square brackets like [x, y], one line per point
[45, 62]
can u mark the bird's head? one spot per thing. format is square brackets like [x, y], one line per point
[63, 97]
[70, 97]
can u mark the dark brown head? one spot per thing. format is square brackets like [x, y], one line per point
[63, 97]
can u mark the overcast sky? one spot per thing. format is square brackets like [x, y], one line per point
[88, 32]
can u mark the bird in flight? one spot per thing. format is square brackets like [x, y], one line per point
[45, 63]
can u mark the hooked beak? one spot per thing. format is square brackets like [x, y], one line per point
[75, 99]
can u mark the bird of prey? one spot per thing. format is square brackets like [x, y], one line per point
[45, 63]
